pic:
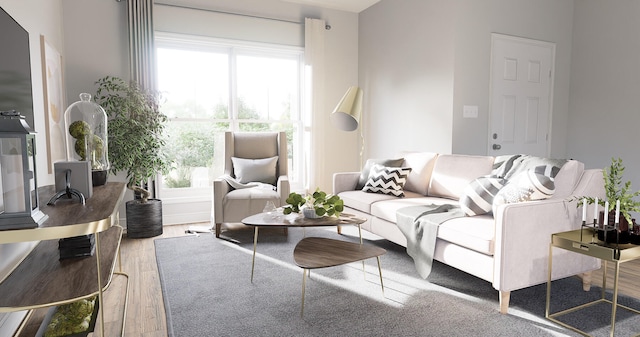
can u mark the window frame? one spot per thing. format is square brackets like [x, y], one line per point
[236, 48]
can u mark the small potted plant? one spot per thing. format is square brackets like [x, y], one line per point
[615, 190]
[315, 205]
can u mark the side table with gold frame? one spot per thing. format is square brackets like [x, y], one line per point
[583, 241]
[41, 281]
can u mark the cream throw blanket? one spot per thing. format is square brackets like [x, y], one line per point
[238, 185]
[419, 224]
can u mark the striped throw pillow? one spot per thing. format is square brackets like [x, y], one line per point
[387, 180]
[477, 197]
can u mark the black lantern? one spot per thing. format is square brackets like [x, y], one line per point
[19, 205]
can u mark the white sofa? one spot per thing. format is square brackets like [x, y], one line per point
[510, 248]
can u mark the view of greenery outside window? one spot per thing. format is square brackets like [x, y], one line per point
[213, 86]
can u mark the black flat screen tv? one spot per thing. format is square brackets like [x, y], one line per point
[15, 68]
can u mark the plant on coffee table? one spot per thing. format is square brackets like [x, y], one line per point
[321, 202]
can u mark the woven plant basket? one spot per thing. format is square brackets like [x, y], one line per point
[144, 220]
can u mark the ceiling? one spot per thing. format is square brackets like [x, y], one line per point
[355, 6]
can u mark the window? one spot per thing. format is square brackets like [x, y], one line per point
[210, 86]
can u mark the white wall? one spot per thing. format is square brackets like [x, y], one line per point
[605, 85]
[45, 21]
[421, 61]
[406, 71]
[545, 20]
[96, 43]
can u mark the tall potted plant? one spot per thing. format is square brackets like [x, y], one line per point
[136, 141]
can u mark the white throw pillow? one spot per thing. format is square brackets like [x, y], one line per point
[255, 170]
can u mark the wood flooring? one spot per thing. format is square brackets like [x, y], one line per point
[145, 315]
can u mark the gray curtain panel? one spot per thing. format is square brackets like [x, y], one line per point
[142, 58]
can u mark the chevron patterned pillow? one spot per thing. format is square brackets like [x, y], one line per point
[387, 180]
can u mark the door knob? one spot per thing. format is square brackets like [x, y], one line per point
[496, 146]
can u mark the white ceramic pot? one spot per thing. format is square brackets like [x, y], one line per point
[310, 213]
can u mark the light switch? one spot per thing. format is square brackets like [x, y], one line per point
[470, 111]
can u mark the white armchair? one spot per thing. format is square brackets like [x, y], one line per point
[250, 157]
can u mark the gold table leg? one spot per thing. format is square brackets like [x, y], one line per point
[380, 273]
[304, 281]
[614, 302]
[615, 298]
[255, 244]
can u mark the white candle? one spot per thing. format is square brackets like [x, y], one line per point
[584, 209]
[617, 211]
[606, 214]
[595, 210]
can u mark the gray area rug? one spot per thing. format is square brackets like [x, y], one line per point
[207, 292]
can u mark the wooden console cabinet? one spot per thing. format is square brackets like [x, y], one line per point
[41, 279]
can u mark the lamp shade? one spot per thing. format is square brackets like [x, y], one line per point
[346, 115]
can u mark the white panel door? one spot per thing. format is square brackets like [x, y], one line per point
[521, 88]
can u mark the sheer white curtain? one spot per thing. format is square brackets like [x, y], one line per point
[315, 70]
[142, 56]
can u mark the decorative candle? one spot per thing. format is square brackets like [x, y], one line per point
[606, 214]
[595, 210]
[584, 209]
[617, 211]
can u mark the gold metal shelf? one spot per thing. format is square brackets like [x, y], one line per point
[41, 279]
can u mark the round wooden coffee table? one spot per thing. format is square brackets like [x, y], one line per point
[277, 219]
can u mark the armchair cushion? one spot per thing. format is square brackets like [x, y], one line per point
[255, 170]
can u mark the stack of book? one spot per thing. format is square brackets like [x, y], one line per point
[78, 246]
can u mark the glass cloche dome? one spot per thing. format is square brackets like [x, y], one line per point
[86, 124]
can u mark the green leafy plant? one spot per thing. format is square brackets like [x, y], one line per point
[135, 131]
[616, 190]
[323, 203]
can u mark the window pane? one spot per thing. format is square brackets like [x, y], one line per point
[267, 87]
[197, 152]
[194, 84]
[210, 88]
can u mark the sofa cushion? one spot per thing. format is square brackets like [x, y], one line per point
[421, 164]
[364, 175]
[476, 233]
[362, 201]
[452, 173]
[478, 195]
[387, 180]
[386, 209]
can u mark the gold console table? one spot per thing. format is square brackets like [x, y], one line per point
[582, 241]
[41, 279]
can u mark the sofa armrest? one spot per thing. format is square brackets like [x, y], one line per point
[522, 238]
[345, 181]
[283, 187]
